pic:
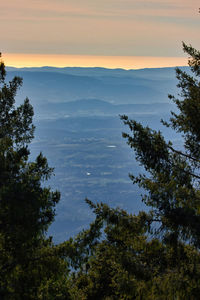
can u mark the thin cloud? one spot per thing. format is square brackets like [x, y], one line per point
[112, 27]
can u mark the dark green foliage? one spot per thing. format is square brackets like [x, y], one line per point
[128, 263]
[154, 255]
[174, 174]
[30, 265]
[173, 184]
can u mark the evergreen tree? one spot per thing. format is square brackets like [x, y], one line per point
[30, 265]
[154, 255]
[173, 184]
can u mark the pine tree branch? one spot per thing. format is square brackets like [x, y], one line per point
[183, 154]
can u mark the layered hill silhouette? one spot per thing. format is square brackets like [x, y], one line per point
[116, 86]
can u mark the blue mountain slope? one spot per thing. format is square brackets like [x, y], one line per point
[44, 85]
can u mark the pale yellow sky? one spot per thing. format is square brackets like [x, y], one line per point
[136, 28]
[125, 62]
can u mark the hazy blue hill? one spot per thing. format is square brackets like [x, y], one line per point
[118, 86]
[99, 107]
[96, 71]
[54, 87]
[80, 105]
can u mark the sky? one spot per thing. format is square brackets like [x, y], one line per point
[107, 33]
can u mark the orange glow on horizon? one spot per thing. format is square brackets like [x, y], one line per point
[112, 62]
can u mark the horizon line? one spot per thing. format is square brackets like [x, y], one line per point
[24, 60]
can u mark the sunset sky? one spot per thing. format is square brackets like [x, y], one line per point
[107, 33]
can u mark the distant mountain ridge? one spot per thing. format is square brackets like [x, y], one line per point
[118, 86]
[100, 107]
[99, 71]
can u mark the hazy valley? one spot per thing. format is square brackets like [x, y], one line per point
[79, 130]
